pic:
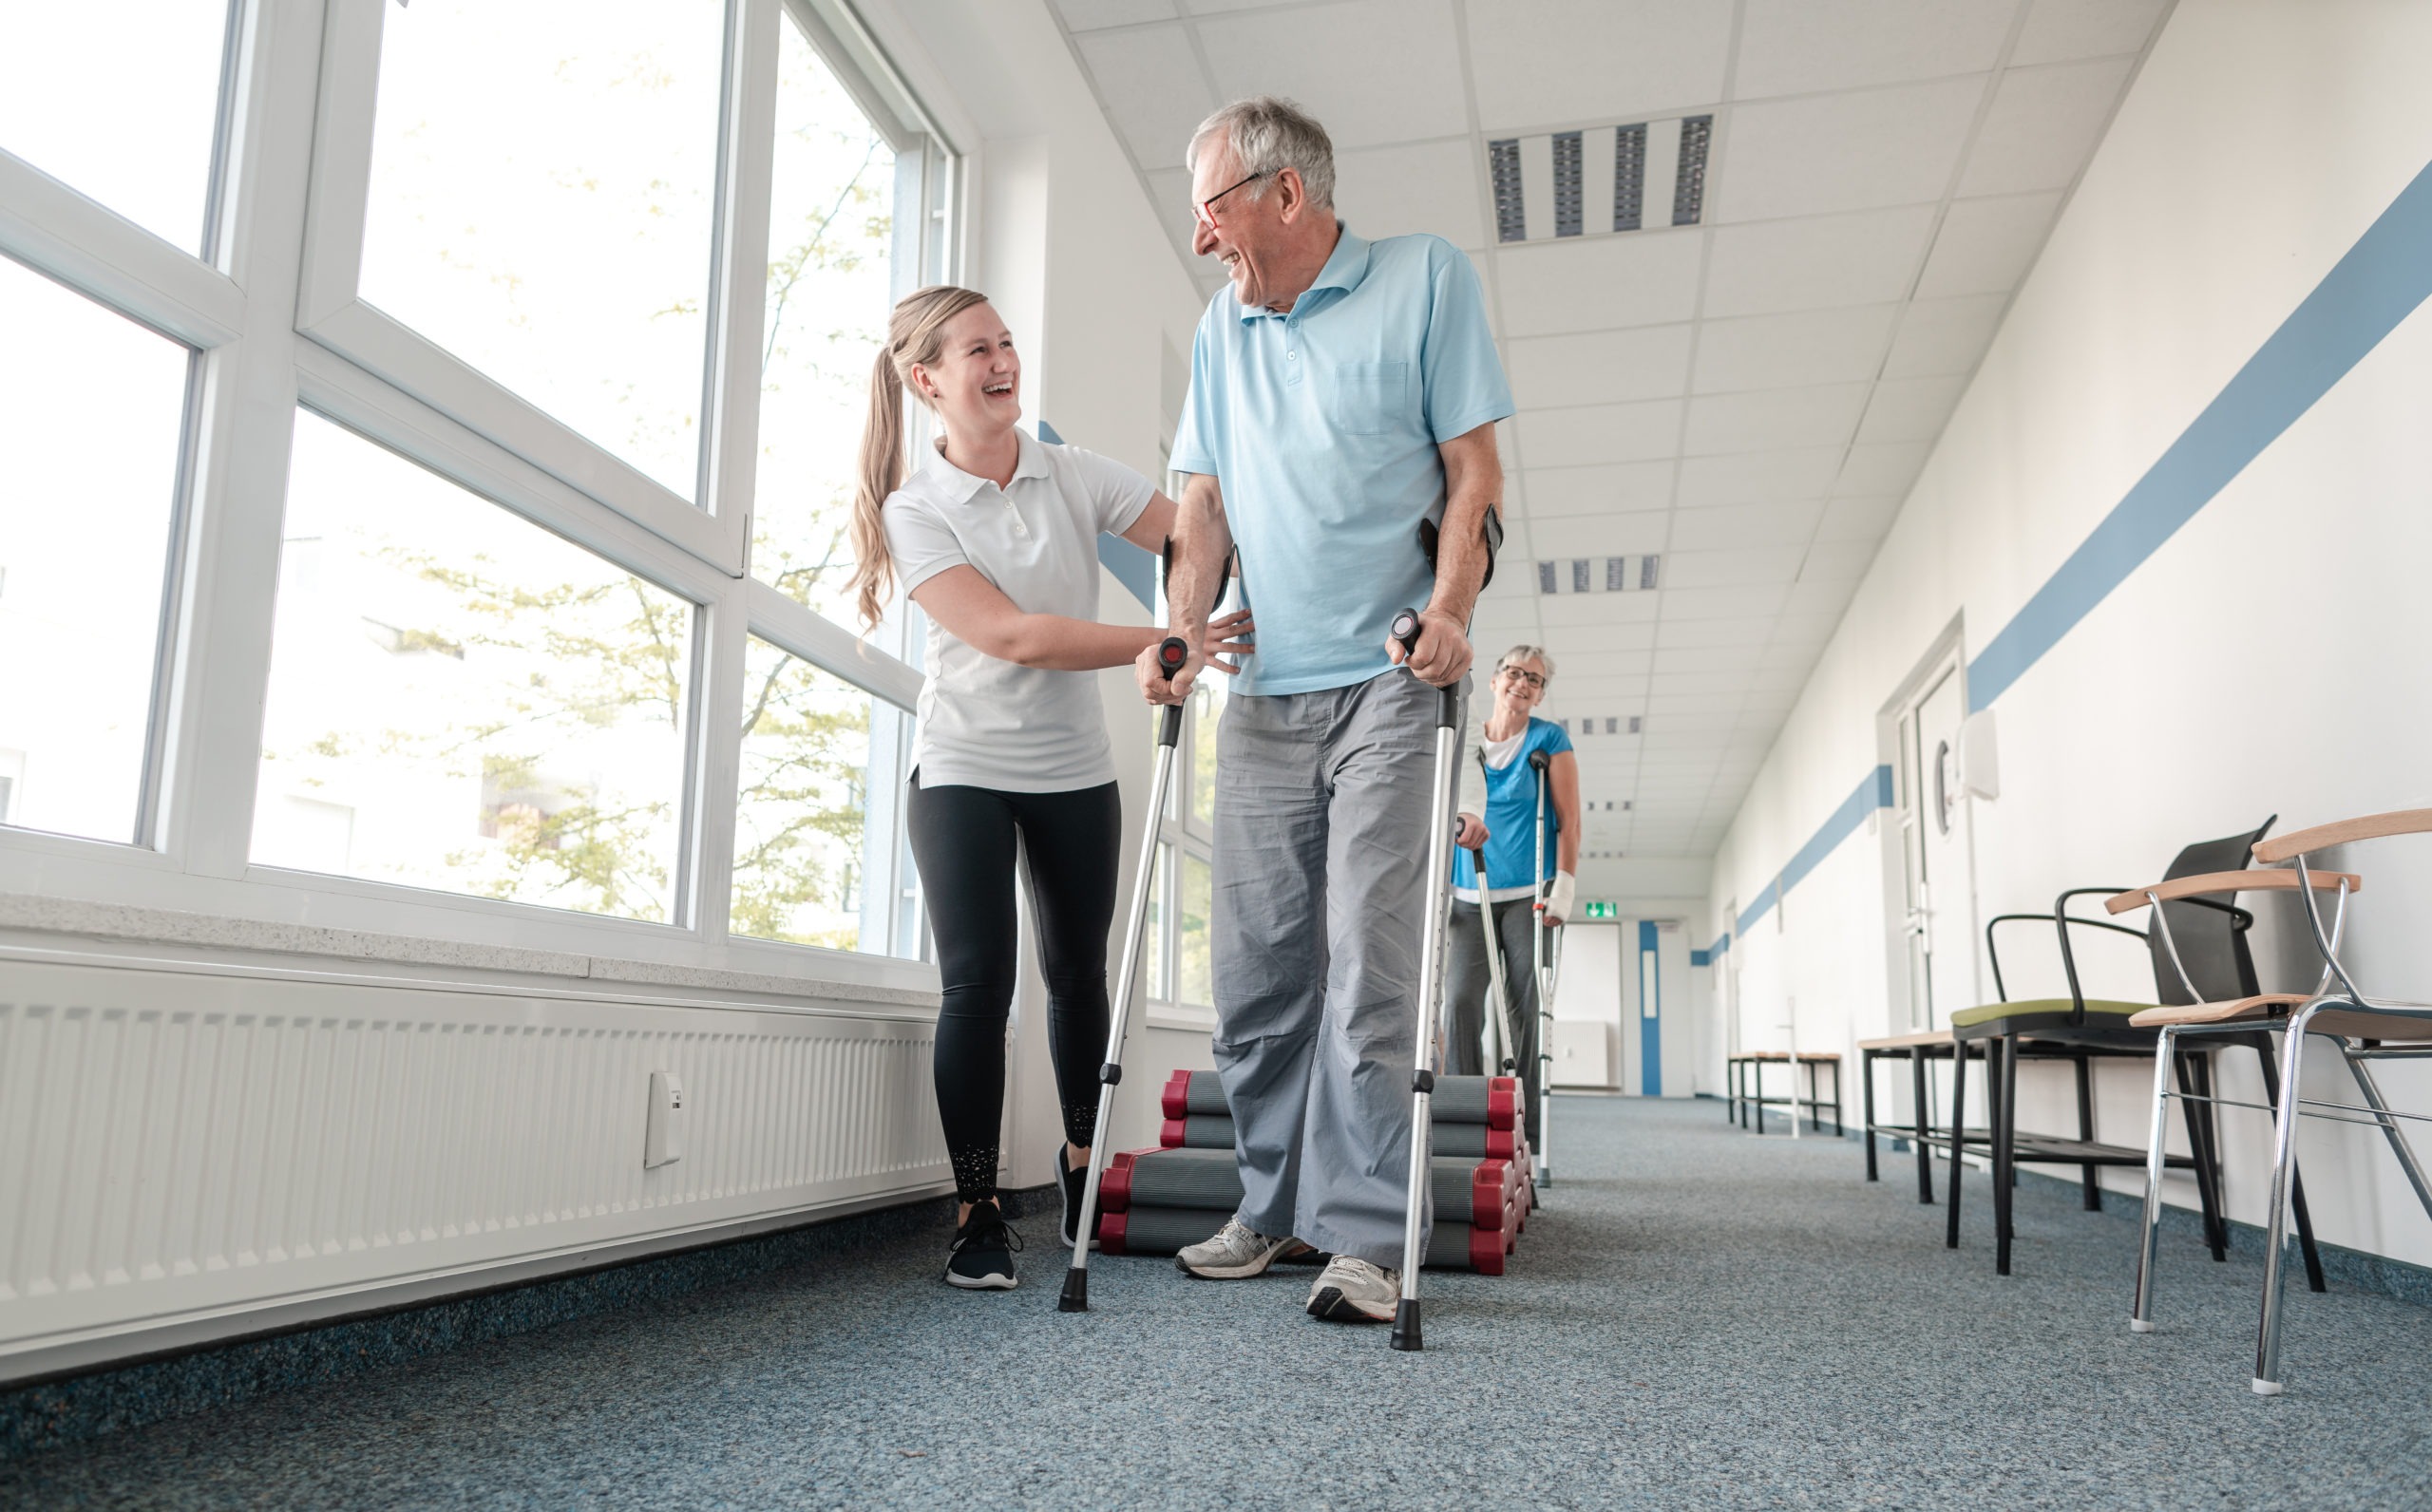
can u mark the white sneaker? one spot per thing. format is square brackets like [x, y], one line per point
[1236, 1252]
[1353, 1291]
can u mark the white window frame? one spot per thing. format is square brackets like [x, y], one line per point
[272, 312]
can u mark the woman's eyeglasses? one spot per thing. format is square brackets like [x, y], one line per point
[1206, 209]
[1521, 675]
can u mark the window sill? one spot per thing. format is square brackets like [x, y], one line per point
[1182, 1016]
[44, 915]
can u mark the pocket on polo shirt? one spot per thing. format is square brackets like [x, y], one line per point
[1368, 398]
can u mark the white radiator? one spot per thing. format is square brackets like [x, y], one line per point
[195, 1143]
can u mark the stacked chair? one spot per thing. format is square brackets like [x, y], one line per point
[2362, 1029]
[1154, 1201]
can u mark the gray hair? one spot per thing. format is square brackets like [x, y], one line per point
[1268, 136]
[1535, 654]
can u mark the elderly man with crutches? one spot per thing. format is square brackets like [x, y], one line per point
[1343, 393]
[1519, 825]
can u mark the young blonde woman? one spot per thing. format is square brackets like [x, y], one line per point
[1499, 811]
[994, 536]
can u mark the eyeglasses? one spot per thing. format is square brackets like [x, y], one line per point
[1518, 675]
[1206, 209]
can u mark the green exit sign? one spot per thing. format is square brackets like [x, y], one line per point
[1601, 911]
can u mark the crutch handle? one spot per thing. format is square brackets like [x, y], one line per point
[1171, 653]
[1405, 629]
[1539, 761]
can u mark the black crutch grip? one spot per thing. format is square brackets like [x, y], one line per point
[1448, 706]
[1172, 653]
[1539, 761]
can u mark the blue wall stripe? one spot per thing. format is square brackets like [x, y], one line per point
[1650, 1026]
[1701, 958]
[1133, 568]
[2378, 284]
[2385, 277]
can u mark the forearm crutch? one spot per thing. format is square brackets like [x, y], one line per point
[1430, 1046]
[1539, 762]
[1500, 1022]
[1171, 653]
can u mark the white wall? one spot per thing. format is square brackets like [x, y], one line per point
[2265, 659]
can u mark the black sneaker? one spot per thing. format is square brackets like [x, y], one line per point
[1072, 1185]
[983, 1247]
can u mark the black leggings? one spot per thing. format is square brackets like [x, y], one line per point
[962, 840]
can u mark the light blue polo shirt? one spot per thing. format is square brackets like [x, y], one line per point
[1322, 427]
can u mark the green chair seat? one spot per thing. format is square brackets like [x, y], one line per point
[2041, 1007]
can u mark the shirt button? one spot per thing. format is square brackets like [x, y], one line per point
[1291, 356]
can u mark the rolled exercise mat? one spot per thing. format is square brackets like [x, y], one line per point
[1164, 1230]
[1466, 1191]
[1209, 1131]
[1492, 1101]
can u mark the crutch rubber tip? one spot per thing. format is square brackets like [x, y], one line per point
[2138, 1325]
[1406, 1325]
[1076, 1292]
[2262, 1388]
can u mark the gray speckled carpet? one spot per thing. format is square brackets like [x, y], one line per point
[1695, 1319]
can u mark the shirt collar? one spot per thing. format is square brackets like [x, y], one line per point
[1345, 266]
[958, 485]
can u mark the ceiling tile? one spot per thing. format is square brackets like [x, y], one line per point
[1745, 525]
[1151, 84]
[1596, 283]
[1544, 63]
[1712, 633]
[1828, 153]
[1432, 186]
[1886, 468]
[1773, 419]
[1759, 477]
[1805, 629]
[1577, 687]
[1616, 535]
[1725, 569]
[1081, 15]
[2057, 29]
[1604, 367]
[2044, 126]
[1600, 433]
[1658, 706]
[1985, 246]
[1618, 487]
[1759, 600]
[1783, 351]
[1942, 335]
[1374, 72]
[1708, 659]
[1910, 408]
[1857, 518]
[1607, 662]
[1838, 558]
[1863, 258]
[1819, 597]
[1669, 681]
[1620, 620]
[1795, 46]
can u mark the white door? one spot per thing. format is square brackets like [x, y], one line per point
[1939, 879]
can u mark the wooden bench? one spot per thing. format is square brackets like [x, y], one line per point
[1745, 1072]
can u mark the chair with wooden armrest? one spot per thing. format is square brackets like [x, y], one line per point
[2248, 1018]
[2207, 961]
[2364, 1028]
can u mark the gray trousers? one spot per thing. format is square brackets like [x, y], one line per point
[1322, 837]
[1467, 980]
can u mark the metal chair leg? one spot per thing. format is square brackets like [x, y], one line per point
[2267, 1380]
[1919, 1102]
[2004, 1148]
[1958, 1138]
[2199, 1145]
[1866, 1101]
[2141, 1316]
[2306, 1245]
[2085, 1132]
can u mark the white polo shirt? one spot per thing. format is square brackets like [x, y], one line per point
[986, 722]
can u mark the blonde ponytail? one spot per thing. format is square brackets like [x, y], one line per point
[915, 335]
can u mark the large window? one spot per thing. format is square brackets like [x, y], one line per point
[91, 409]
[544, 199]
[120, 102]
[506, 602]
[1178, 956]
[461, 700]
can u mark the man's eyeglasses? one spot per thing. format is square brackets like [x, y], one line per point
[1206, 209]
[1520, 675]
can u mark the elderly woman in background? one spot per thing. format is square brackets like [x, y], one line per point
[1499, 812]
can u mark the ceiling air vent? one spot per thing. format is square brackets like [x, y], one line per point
[1572, 184]
[1587, 575]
